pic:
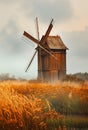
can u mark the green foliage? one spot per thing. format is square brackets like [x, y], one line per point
[76, 122]
[77, 77]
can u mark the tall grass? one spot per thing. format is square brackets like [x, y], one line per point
[24, 110]
[37, 106]
[66, 98]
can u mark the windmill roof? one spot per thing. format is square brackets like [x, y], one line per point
[55, 42]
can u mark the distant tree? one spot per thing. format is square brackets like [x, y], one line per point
[6, 77]
[77, 77]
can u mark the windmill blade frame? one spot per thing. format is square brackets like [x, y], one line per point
[43, 39]
[31, 61]
[37, 29]
[39, 42]
[30, 37]
[39, 45]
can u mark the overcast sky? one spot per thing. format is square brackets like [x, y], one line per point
[70, 22]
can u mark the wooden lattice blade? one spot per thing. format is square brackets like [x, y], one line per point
[30, 37]
[31, 61]
[44, 38]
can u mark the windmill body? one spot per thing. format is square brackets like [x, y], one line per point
[51, 56]
[52, 69]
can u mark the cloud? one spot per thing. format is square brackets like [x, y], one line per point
[11, 39]
[77, 55]
[79, 43]
[9, 2]
[58, 9]
[15, 54]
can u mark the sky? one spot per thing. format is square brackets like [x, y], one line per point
[70, 22]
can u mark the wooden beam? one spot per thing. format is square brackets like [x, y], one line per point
[30, 37]
[44, 38]
[31, 61]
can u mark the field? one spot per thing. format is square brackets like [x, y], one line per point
[28, 105]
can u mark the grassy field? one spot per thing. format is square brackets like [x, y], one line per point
[38, 106]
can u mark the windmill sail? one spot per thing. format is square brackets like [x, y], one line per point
[43, 39]
[41, 42]
[37, 29]
[30, 37]
[31, 61]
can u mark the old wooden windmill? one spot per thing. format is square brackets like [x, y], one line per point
[51, 55]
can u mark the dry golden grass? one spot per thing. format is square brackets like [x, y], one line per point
[21, 109]
[31, 106]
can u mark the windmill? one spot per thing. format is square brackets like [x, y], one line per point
[51, 55]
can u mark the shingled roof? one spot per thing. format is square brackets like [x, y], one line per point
[55, 42]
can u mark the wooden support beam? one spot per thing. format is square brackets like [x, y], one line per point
[30, 37]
